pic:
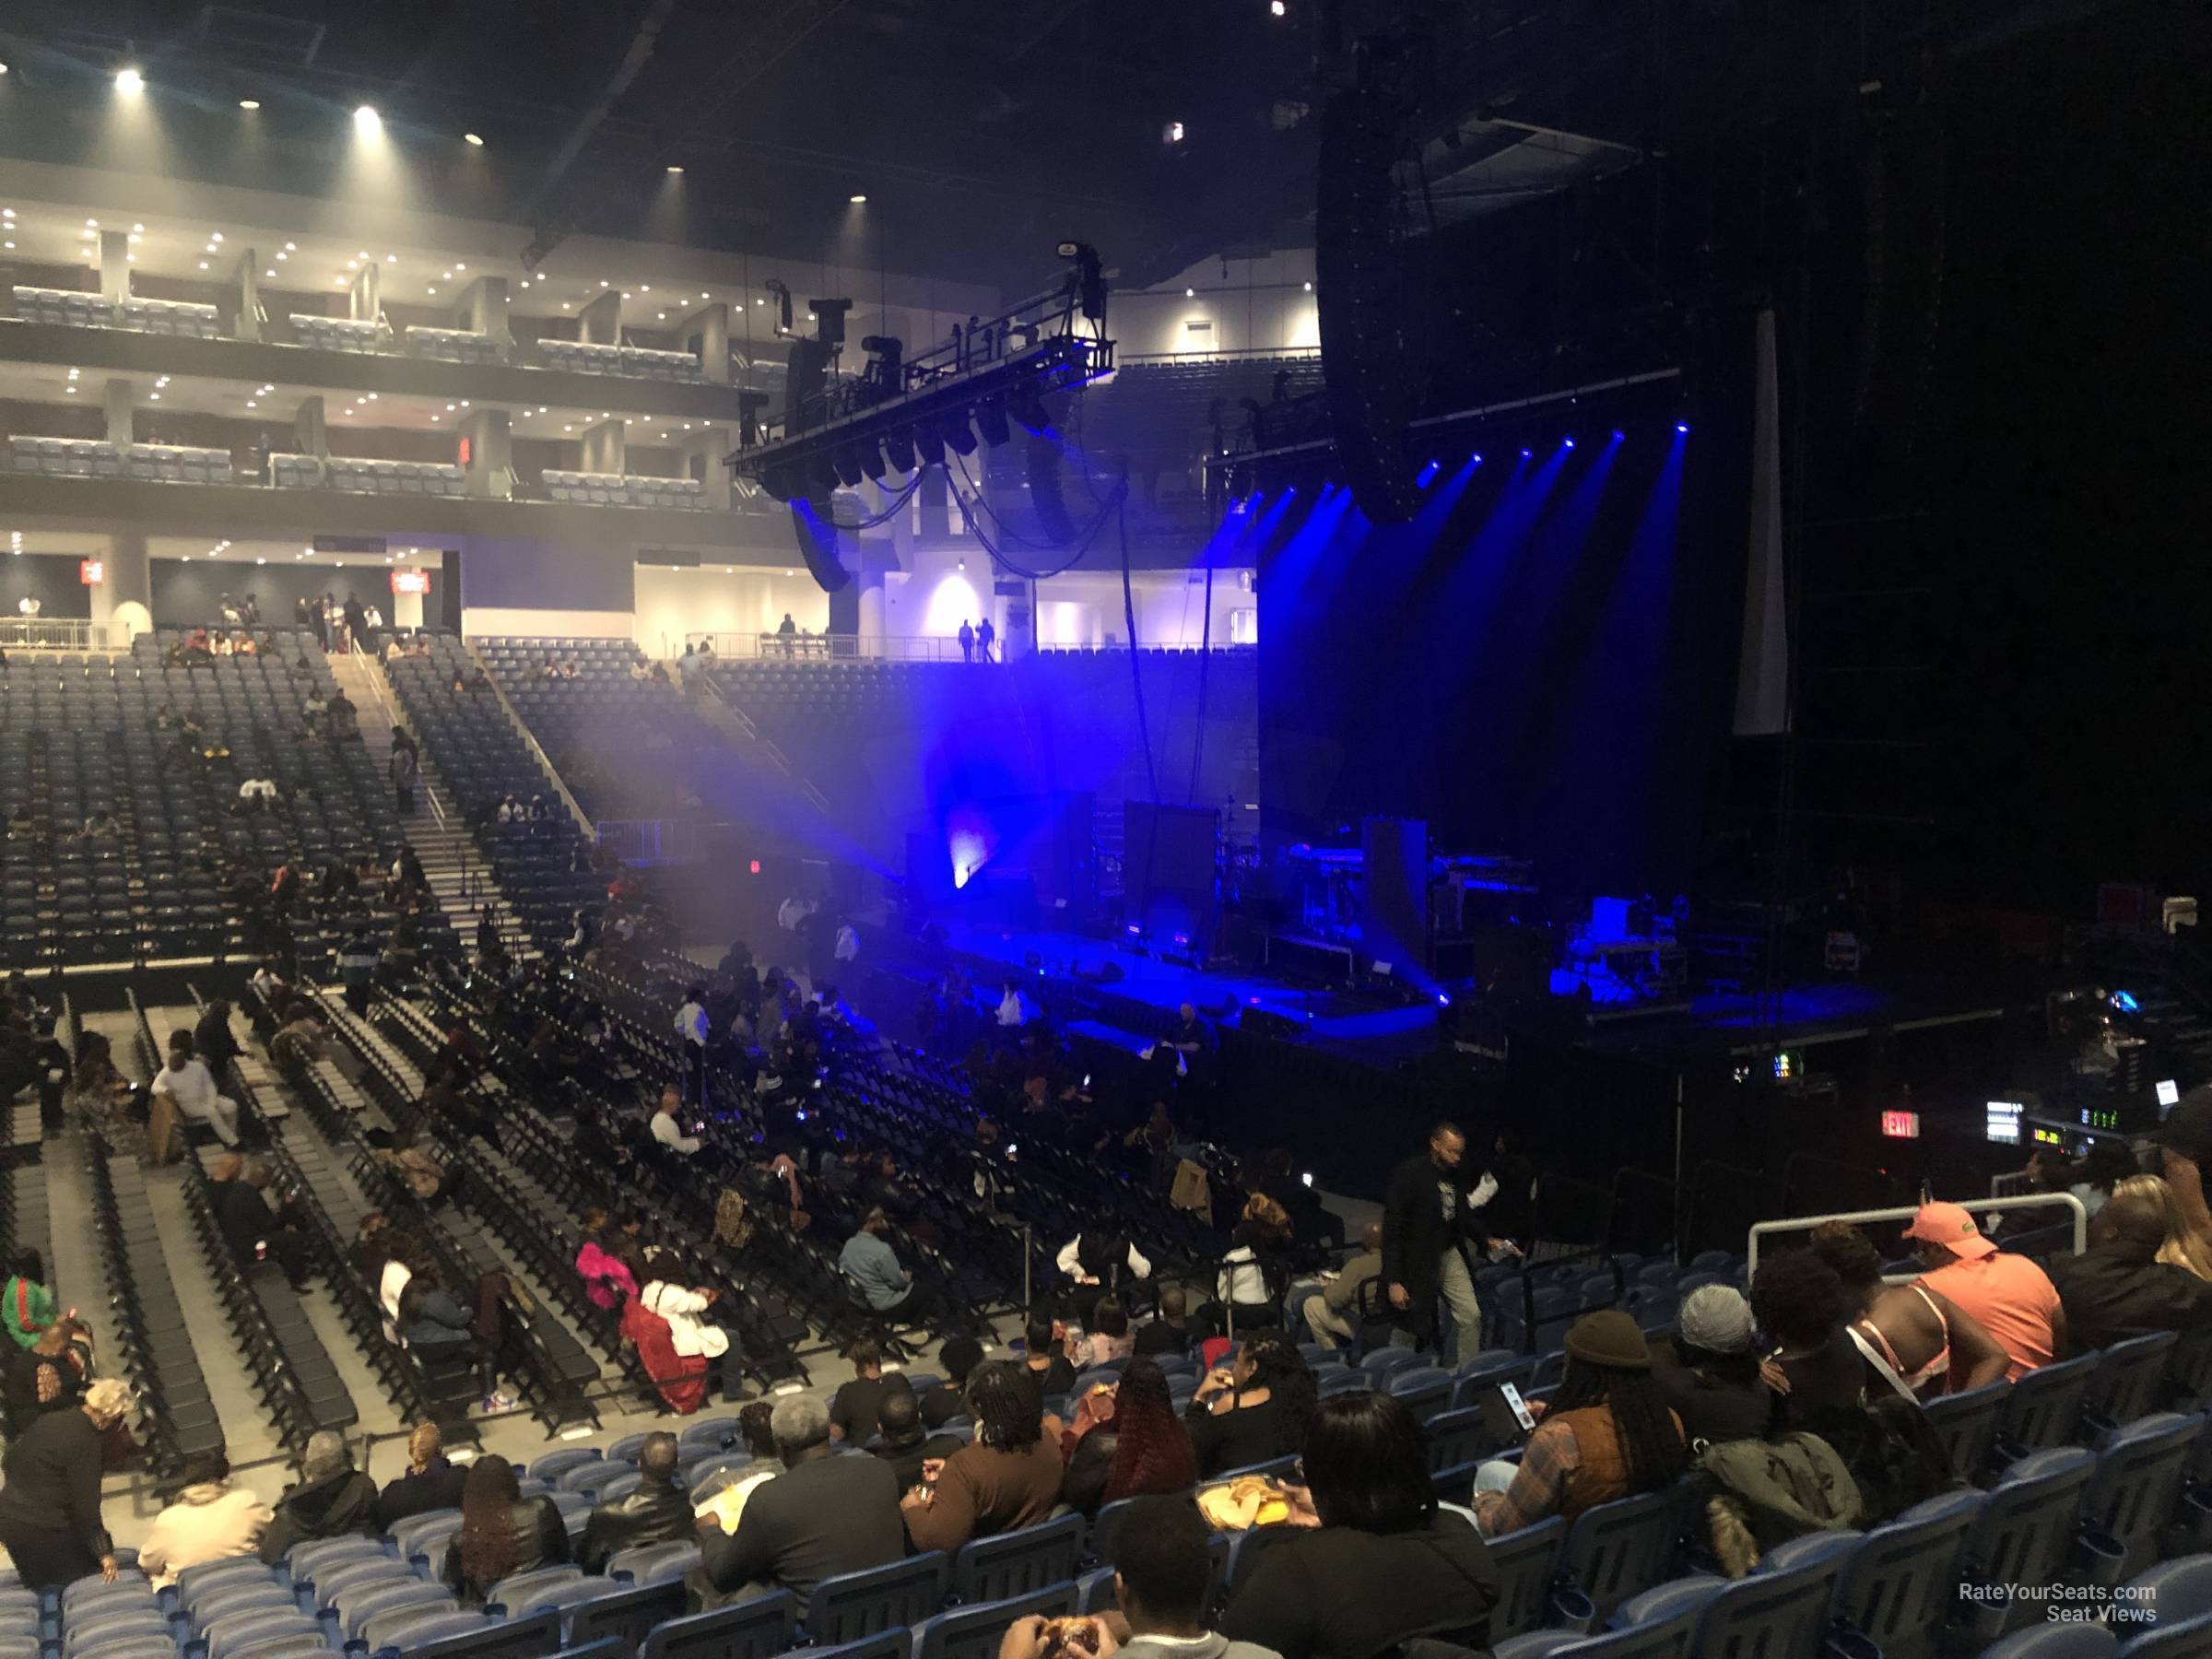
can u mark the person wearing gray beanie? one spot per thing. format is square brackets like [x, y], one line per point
[1709, 1373]
[332, 1500]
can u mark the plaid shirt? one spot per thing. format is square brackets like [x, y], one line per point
[1539, 1489]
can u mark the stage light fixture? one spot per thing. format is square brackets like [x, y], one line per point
[1024, 405]
[675, 170]
[957, 433]
[1682, 426]
[929, 447]
[1619, 434]
[366, 118]
[1526, 454]
[249, 103]
[1566, 443]
[129, 81]
[857, 200]
[898, 451]
[871, 462]
[472, 140]
[823, 476]
[849, 466]
[991, 421]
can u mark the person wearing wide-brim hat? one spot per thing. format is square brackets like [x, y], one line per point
[1608, 1433]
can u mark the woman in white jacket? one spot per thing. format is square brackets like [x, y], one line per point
[210, 1521]
[670, 1293]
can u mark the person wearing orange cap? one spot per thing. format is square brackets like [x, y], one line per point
[2008, 1295]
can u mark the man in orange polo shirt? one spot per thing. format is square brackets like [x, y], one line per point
[2012, 1298]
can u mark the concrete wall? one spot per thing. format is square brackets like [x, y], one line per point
[1260, 305]
[51, 579]
[188, 592]
[936, 593]
[477, 621]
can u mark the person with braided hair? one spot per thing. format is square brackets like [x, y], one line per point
[1008, 1476]
[1608, 1433]
[1140, 1451]
[1254, 1410]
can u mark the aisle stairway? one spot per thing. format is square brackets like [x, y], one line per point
[460, 875]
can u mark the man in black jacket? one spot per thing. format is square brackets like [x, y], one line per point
[1427, 1217]
[656, 1512]
[2117, 1288]
[824, 1515]
[245, 1220]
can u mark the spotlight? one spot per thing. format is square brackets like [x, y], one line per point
[366, 118]
[1476, 459]
[857, 201]
[1682, 426]
[249, 103]
[955, 431]
[929, 448]
[470, 138]
[1172, 132]
[1524, 454]
[675, 170]
[1026, 406]
[129, 81]
[1619, 434]
[1278, 9]
[1567, 443]
[898, 451]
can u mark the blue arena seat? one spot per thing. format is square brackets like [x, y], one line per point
[1018, 1563]
[851, 1605]
[653, 1564]
[2138, 1482]
[1525, 1562]
[1615, 1551]
[1897, 1588]
[895, 1643]
[1768, 1613]
[759, 1629]
[2056, 1642]
[974, 1632]
[628, 1616]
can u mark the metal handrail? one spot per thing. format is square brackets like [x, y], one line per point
[53, 633]
[1906, 1212]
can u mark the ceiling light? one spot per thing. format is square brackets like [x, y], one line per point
[857, 201]
[249, 103]
[449, 408]
[367, 119]
[163, 381]
[156, 396]
[11, 246]
[203, 264]
[129, 81]
[270, 272]
[525, 282]
[445, 275]
[702, 294]
[288, 247]
[663, 315]
[353, 265]
[1189, 293]
[459, 266]
[464, 403]
[261, 561]
[1309, 288]
[675, 170]
[391, 259]
[284, 255]
[566, 306]
[603, 285]
[471, 138]
[215, 236]
[433, 288]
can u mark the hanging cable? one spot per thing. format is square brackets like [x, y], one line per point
[1137, 675]
[1205, 657]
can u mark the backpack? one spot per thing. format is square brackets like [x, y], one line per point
[1761, 1493]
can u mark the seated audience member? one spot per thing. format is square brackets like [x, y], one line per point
[1331, 1309]
[665, 1128]
[960, 1357]
[675, 1291]
[1608, 1434]
[1044, 1360]
[331, 1499]
[1376, 1561]
[1108, 1338]
[1801, 1304]
[724, 1502]
[2144, 1270]
[430, 1482]
[1163, 1578]
[211, 1039]
[871, 1267]
[853, 1409]
[1008, 1476]
[824, 1515]
[1255, 1273]
[437, 1327]
[501, 1531]
[1710, 1373]
[27, 1305]
[2184, 1148]
[655, 1511]
[680, 1378]
[408, 1158]
[50, 1520]
[187, 1088]
[1254, 1410]
[602, 1262]
[210, 1521]
[1924, 1340]
[1170, 1334]
[1100, 1260]
[904, 1441]
[101, 1096]
[2006, 1294]
[249, 1227]
[1139, 1450]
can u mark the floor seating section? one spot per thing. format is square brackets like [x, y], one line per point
[474, 749]
[80, 737]
[623, 489]
[88, 458]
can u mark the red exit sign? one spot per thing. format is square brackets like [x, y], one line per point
[1901, 1125]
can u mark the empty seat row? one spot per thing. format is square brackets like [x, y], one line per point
[341, 334]
[620, 489]
[92, 458]
[582, 356]
[182, 317]
[453, 345]
[391, 477]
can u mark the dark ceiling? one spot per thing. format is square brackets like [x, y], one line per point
[981, 131]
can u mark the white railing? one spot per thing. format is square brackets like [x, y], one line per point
[1979, 1207]
[59, 633]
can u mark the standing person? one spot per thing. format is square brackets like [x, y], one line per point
[967, 638]
[212, 1039]
[691, 1028]
[2007, 1295]
[357, 623]
[210, 1521]
[49, 1519]
[985, 635]
[357, 969]
[406, 768]
[1425, 1221]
